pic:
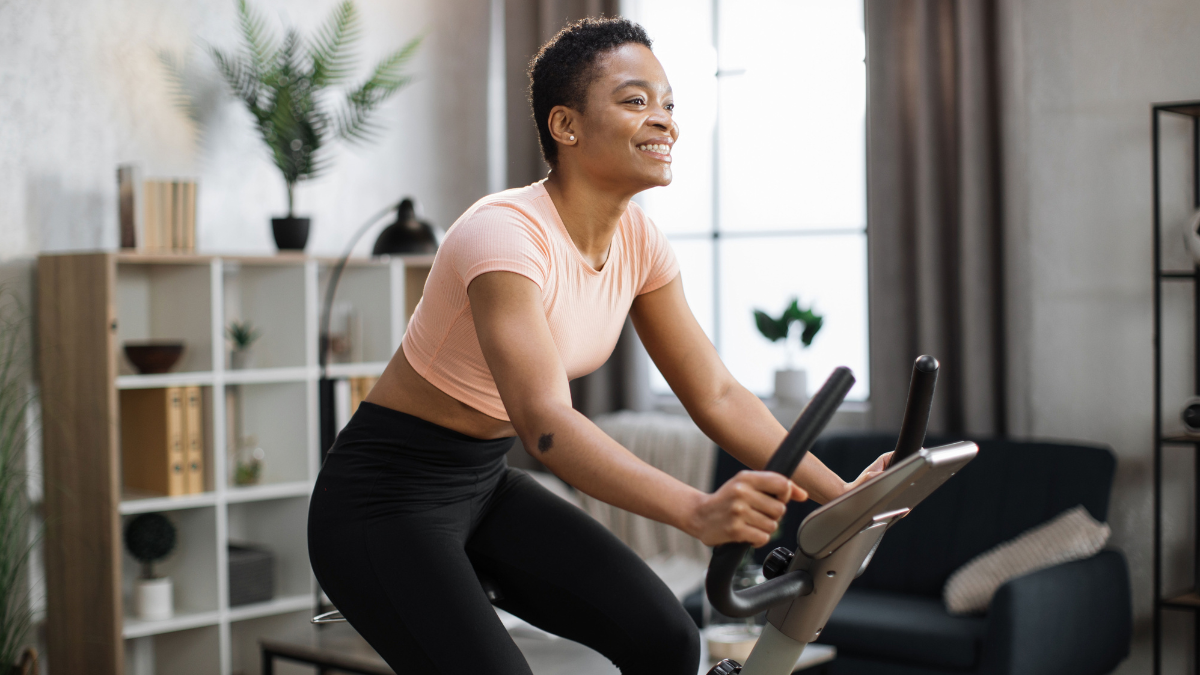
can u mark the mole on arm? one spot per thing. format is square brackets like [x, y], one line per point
[545, 443]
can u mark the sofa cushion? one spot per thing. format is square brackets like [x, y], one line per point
[905, 628]
[1071, 536]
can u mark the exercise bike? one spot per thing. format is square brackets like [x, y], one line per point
[835, 543]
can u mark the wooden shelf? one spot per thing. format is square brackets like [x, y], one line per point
[89, 305]
[203, 379]
[1181, 439]
[269, 375]
[340, 370]
[135, 628]
[259, 493]
[133, 504]
[1189, 600]
[284, 605]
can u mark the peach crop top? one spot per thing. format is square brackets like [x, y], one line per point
[519, 231]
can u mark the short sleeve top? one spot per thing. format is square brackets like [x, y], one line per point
[519, 231]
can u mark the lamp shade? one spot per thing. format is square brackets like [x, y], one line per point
[407, 234]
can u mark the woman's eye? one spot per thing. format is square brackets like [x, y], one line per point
[637, 101]
[670, 107]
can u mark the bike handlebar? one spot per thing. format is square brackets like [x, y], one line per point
[728, 557]
[916, 410]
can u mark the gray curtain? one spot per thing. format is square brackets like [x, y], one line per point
[933, 180]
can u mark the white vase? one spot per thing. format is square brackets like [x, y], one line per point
[241, 359]
[791, 386]
[153, 599]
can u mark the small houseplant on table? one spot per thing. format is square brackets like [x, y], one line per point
[284, 84]
[791, 383]
[150, 537]
[242, 335]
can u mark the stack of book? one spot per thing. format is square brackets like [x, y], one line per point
[162, 440]
[156, 215]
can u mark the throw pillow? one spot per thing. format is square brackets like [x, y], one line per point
[1072, 535]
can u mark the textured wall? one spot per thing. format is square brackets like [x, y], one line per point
[1080, 78]
[82, 89]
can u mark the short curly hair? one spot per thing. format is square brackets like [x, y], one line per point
[563, 69]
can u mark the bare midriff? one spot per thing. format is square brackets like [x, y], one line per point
[402, 388]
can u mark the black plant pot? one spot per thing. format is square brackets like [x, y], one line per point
[291, 233]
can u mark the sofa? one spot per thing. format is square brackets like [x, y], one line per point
[1069, 619]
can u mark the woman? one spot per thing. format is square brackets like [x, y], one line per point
[529, 290]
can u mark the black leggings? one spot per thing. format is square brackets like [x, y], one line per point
[405, 517]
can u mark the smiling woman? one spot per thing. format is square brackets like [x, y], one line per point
[530, 289]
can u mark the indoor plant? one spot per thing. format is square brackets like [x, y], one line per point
[284, 84]
[242, 335]
[16, 514]
[791, 383]
[150, 537]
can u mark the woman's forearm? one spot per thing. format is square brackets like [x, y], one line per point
[577, 451]
[741, 424]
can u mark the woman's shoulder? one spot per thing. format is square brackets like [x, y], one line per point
[516, 208]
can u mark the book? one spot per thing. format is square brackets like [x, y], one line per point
[150, 236]
[189, 216]
[359, 388]
[130, 210]
[177, 224]
[194, 438]
[153, 457]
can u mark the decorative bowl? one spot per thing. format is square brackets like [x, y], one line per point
[153, 356]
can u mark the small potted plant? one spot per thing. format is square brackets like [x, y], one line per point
[791, 383]
[149, 538]
[242, 335]
[284, 84]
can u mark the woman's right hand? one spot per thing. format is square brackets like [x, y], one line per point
[746, 509]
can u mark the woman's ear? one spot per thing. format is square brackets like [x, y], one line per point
[563, 121]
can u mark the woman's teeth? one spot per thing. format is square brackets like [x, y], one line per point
[661, 148]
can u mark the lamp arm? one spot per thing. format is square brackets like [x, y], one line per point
[335, 277]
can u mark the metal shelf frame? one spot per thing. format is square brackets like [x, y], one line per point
[1189, 600]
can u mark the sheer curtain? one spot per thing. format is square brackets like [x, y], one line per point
[934, 218]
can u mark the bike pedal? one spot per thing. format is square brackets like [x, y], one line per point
[726, 667]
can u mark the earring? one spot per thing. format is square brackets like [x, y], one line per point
[572, 138]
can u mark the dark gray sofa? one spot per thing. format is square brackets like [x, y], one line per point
[1071, 619]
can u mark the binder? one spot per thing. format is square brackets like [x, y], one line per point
[153, 457]
[194, 435]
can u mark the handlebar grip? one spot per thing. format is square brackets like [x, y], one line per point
[916, 410]
[719, 585]
[727, 557]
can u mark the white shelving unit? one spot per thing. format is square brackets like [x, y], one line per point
[193, 299]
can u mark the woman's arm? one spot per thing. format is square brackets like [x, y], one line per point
[511, 325]
[727, 412]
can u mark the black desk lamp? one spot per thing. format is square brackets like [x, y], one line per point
[405, 235]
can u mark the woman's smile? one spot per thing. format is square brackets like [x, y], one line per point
[658, 149]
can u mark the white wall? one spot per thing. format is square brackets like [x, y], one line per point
[82, 89]
[1079, 79]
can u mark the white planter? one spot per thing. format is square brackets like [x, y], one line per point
[241, 359]
[791, 386]
[153, 599]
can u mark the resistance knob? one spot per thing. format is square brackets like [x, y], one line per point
[777, 562]
[726, 667]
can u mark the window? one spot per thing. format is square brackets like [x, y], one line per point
[768, 200]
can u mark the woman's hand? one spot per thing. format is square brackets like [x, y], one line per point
[877, 467]
[746, 509]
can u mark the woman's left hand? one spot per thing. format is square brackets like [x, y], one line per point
[877, 467]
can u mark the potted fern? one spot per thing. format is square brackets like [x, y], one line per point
[285, 85]
[17, 536]
[791, 383]
[242, 335]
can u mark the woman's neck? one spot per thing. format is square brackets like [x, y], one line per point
[590, 213]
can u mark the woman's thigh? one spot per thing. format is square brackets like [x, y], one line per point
[406, 585]
[560, 570]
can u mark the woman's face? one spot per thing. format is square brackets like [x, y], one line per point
[625, 134]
